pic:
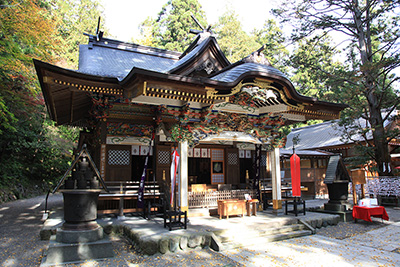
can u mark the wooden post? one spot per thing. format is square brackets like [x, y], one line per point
[276, 179]
[354, 193]
[183, 176]
[362, 191]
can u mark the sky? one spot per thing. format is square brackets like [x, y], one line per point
[124, 16]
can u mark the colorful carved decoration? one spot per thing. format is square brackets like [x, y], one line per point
[185, 114]
[101, 106]
[242, 99]
[250, 95]
[127, 129]
[265, 128]
[193, 125]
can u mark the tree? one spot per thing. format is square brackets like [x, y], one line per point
[274, 40]
[233, 40]
[173, 23]
[373, 33]
[32, 150]
[146, 33]
[313, 64]
[27, 30]
[75, 17]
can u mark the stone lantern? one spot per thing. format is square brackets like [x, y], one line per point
[337, 180]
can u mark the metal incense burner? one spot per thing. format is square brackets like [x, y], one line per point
[80, 237]
[80, 193]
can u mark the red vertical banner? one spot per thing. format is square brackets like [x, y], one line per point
[295, 173]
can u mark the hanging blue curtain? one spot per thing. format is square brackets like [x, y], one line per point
[140, 202]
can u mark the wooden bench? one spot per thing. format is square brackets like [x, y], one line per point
[295, 201]
[123, 196]
[173, 219]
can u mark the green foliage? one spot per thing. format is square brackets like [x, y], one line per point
[366, 81]
[7, 118]
[173, 23]
[274, 40]
[315, 69]
[146, 33]
[75, 17]
[32, 150]
[233, 40]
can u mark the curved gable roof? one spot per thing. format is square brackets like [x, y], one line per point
[200, 46]
[237, 72]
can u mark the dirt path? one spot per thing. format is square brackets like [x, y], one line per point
[20, 245]
[20, 224]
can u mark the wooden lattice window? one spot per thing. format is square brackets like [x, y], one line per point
[119, 157]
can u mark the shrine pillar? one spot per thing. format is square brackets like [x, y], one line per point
[276, 179]
[183, 176]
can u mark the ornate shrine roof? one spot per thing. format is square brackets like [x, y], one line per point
[200, 77]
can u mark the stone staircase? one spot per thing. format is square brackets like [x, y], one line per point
[244, 237]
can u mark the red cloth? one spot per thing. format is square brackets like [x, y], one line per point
[365, 213]
[295, 173]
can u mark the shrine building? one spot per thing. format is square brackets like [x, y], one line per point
[224, 118]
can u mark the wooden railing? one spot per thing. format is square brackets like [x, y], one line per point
[210, 199]
[123, 195]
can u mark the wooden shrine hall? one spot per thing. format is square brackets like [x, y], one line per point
[224, 118]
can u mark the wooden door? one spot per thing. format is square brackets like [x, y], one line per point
[163, 169]
[232, 166]
[163, 164]
[119, 163]
[217, 166]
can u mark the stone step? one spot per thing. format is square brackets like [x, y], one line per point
[284, 229]
[264, 239]
[63, 253]
[230, 235]
[198, 212]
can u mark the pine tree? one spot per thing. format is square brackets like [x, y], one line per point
[372, 56]
[173, 23]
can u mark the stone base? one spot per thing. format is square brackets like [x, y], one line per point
[345, 216]
[62, 253]
[342, 207]
[81, 236]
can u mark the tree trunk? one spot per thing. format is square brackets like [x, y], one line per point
[381, 150]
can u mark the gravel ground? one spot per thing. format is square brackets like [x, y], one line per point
[20, 224]
[345, 230]
[21, 221]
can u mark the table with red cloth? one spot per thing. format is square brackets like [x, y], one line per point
[365, 213]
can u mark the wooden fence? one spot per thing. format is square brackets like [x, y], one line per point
[210, 199]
